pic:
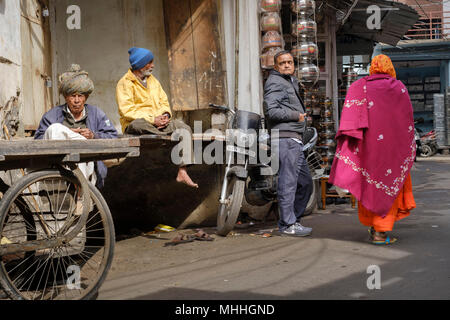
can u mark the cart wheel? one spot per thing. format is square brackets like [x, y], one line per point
[229, 212]
[36, 208]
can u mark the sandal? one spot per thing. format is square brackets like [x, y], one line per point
[388, 240]
[371, 231]
[181, 238]
[202, 236]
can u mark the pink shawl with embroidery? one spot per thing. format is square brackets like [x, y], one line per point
[376, 146]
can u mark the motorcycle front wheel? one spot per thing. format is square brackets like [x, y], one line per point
[426, 151]
[229, 211]
[313, 199]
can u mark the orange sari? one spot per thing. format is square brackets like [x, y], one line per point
[401, 208]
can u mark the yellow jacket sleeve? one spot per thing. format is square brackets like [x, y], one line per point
[127, 108]
[164, 101]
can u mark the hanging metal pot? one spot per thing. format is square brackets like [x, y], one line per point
[308, 74]
[327, 113]
[305, 27]
[305, 49]
[303, 6]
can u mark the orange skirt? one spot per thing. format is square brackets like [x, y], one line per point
[399, 210]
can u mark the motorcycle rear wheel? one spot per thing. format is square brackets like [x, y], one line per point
[229, 211]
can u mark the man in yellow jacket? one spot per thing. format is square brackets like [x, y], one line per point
[143, 104]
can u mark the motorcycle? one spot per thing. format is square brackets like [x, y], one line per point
[428, 143]
[418, 143]
[253, 177]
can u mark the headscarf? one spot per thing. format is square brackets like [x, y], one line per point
[75, 81]
[376, 146]
[382, 64]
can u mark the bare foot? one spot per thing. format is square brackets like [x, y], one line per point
[183, 177]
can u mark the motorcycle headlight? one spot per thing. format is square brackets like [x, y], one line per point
[245, 139]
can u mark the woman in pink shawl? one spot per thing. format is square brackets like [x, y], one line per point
[376, 149]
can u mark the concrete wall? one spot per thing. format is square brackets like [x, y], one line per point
[10, 54]
[108, 29]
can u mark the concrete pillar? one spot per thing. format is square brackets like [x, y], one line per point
[250, 89]
[244, 75]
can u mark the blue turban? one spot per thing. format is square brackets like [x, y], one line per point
[140, 57]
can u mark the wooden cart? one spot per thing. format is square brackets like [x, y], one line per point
[56, 231]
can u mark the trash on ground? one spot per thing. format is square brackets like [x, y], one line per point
[202, 236]
[164, 228]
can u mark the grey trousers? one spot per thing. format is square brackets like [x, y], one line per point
[294, 183]
[142, 127]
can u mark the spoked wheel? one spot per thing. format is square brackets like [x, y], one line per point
[229, 211]
[427, 151]
[36, 208]
[312, 202]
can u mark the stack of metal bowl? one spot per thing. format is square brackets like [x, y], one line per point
[327, 133]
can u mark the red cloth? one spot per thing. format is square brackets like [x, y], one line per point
[376, 145]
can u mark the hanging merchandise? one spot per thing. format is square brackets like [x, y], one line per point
[272, 39]
[306, 28]
[308, 74]
[305, 51]
[270, 5]
[270, 21]
[272, 42]
[303, 6]
[267, 58]
[349, 76]
[327, 133]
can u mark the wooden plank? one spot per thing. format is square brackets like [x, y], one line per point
[52, 147]
[183, 83]
[210, 74]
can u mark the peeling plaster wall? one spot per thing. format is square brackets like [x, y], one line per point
[108, 29]
[10, 57]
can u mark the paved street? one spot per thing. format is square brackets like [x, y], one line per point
[332, 264]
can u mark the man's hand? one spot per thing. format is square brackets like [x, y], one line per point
[162, 121]
[302, 117]
[88, 134]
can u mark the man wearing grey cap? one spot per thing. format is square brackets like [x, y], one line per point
[144, 107]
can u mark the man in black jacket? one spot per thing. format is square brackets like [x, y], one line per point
[285, 112]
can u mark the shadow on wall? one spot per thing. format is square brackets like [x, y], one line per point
[2, 6]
